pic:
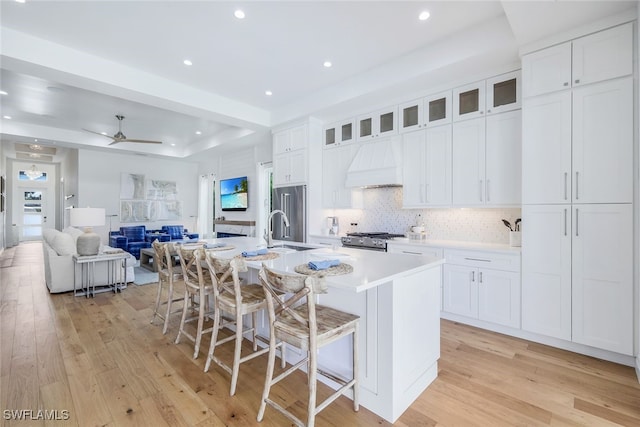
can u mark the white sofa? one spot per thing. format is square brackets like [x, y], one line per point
[59, 248]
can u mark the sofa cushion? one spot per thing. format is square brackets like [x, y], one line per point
[135, 233]
[73, 232]
[175, 231]
[62, 243]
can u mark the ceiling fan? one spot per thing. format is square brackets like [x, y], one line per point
[120, 137]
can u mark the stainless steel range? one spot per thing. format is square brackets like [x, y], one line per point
[372, 241]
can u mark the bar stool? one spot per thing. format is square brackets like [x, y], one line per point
[235, 299]
[308, 326]
[197, 284]
[167, 276]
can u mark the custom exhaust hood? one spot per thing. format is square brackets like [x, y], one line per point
[376, 164]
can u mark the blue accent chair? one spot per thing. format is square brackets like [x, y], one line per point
[178, 232]
[131, 239]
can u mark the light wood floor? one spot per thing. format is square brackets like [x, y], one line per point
[101, 360]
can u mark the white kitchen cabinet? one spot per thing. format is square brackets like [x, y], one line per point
[577, 274]
[378, 124]
[469, 101]
[335, 163]
[427, 167]
[434, 110]
[482, 285]
[597, 57]
[546, 270]
[580, 150]
[290, 140]
[290, 156]
[340, 133]
[602, 271]
[487, 160]
[603, 142]
[331, 241]
[546, 149]
[503, 93]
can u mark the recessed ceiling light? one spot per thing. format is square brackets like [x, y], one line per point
[424, 15]
[198, 132]
[21, 1]
[239, 14]
[3, 92]
[6, 117]
[268, 92]
[187, 62]
[103, 133]
[327, 64]
[173, 145]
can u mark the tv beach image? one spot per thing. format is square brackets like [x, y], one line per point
[233, 193]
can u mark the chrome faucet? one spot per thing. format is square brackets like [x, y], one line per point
[268, 234]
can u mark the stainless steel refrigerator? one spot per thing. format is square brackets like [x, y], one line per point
[293, 202]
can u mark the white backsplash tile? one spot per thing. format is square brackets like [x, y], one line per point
[383, 212]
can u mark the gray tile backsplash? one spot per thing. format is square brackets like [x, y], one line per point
[383, 212]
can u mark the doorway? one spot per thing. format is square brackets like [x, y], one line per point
[35, 212]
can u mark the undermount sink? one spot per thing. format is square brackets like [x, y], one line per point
[290, 248]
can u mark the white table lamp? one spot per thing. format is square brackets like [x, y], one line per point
[89, 242]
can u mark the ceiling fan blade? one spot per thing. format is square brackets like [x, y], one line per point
[97, 133]
[115, 141]
[141, 140]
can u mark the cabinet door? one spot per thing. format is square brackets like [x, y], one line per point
[329, 178]
[281, 142]
[499, 297]
[503, 93]
[468, 162]
[546, 149]
[346, 131]
[413, 170]
[469, 101]
[603, 142]
[503, 183]
[603, 276]
[298, 139]
[411, 115]
[281, 169]
[330, 135]
[298, 167]
[438, 109]
[438, 166]
[546, 270]
[547, 70]
[387, 121]
[366, 127]
[460, 290]
[603, 56]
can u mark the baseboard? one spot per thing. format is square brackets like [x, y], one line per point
[638, 368]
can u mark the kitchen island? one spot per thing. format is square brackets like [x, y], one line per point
[397, 297]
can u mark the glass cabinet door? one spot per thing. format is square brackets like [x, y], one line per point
[503, 92]
[468, 101]
[411, 115]
[330, 136]
[339, 133]
[438, 109]
[346, 132]
[387, 122]
[365, 127]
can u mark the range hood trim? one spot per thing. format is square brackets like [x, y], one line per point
[376, 164]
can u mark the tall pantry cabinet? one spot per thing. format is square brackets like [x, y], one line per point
[577, 191]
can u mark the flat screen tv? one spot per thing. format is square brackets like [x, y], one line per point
[234, 194]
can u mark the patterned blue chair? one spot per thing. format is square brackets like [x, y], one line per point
[131, 239]
[178, 232]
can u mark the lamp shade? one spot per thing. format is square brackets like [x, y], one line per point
[86, 217]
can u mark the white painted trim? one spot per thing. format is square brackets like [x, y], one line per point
[638, 368]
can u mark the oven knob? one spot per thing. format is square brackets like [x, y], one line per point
[361, 241]
[346, 239]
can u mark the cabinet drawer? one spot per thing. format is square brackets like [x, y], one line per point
[481, 259]
[415, 250]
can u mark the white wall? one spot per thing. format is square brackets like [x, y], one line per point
[3, 216]
[98, 185]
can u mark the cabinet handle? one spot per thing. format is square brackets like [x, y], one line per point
[412, 253]
[566, 176]
[566, 84]
[577, 80]
[577, 212]
[488, 111]
[478, 259]
[577, 175]
[481, 112]
[480, 189]
[565, 222]
[488, 187]
[473, 276]
[480, 277]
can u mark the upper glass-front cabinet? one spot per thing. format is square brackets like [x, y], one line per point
[379, 124]
[339, 133]
[468, 101]
[433, 110]
[504, 92]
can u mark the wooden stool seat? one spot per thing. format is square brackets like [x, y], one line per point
[295, 319]
[235, 299]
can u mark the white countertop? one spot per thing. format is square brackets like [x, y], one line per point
[370, 268]
[456, 244]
